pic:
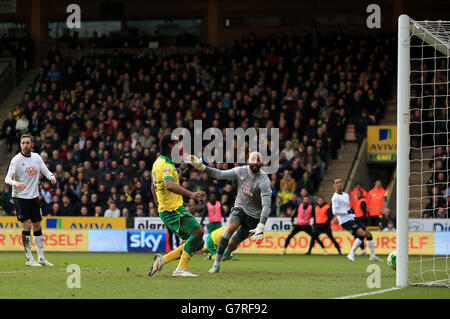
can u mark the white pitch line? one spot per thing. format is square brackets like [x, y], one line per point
[62, 269]
[369, 293]
[53, 269]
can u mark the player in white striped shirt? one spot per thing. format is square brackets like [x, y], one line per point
[23, 176]
[341, 208]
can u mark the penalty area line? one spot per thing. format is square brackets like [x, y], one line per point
[369, 293]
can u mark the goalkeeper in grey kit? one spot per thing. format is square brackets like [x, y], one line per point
[251, 208]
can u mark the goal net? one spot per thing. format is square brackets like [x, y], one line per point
[423, 100]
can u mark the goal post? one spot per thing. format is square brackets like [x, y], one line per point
[423, 91]
[402, 205]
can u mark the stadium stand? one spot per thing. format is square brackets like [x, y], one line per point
[97, 114]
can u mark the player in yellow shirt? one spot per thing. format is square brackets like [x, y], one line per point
[212, 241]
[168, 194]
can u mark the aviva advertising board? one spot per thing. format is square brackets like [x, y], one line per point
[382, 143]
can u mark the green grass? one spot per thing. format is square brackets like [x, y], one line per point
[124, 275]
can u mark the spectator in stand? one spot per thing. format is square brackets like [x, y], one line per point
[278, 209]
[55, 211]
[6, 199]
[22, 125]
[66, 207]
[338, 123]
[311, 163]
[390, 226]
[361, 123]
[112, 211]
[446, 207]
[285, 194]
[53, 75]
[292, 205]
[306, 183]
[384, 218]
[433, 206]
[98, 211]
[9, 131]
[147, 140]
[288, 150]
[442, 213]
[287, 180]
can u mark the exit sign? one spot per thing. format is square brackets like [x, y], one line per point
[383, 157]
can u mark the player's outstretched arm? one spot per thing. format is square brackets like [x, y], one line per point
[230, 174]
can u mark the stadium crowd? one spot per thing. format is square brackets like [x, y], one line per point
[430, 128]
[97, 116]
[22, 48]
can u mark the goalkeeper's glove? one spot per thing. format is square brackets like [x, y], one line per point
[258, 233]
[196, 162]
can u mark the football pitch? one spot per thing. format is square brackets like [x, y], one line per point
[124, 275]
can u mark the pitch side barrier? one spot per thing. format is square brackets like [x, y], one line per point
[99, 234]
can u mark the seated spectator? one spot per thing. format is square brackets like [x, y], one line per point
[288, 150]
[390, 226]
[287, 180]
[442, 213]
[53, 75]
[311, 163]
[146, 140]
[83, 202]
[6, 200]
[292, 205]
[98, 211]
[47, 195]
[277, 207]
[55, 160]
[22, 125]
[441, 155]
[84, 211]
[112, 211]
[125, 213]
[153, 212]
[285, 193]
[306, 183]
[433, 205]
[304, 193]
[66, 206]
[87, 170]
[55, 211]
[384, 218]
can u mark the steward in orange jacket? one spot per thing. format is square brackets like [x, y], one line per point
[375, 201]
[322, 220]
[354, 195]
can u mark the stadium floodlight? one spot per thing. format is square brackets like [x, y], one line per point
[422, 127]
